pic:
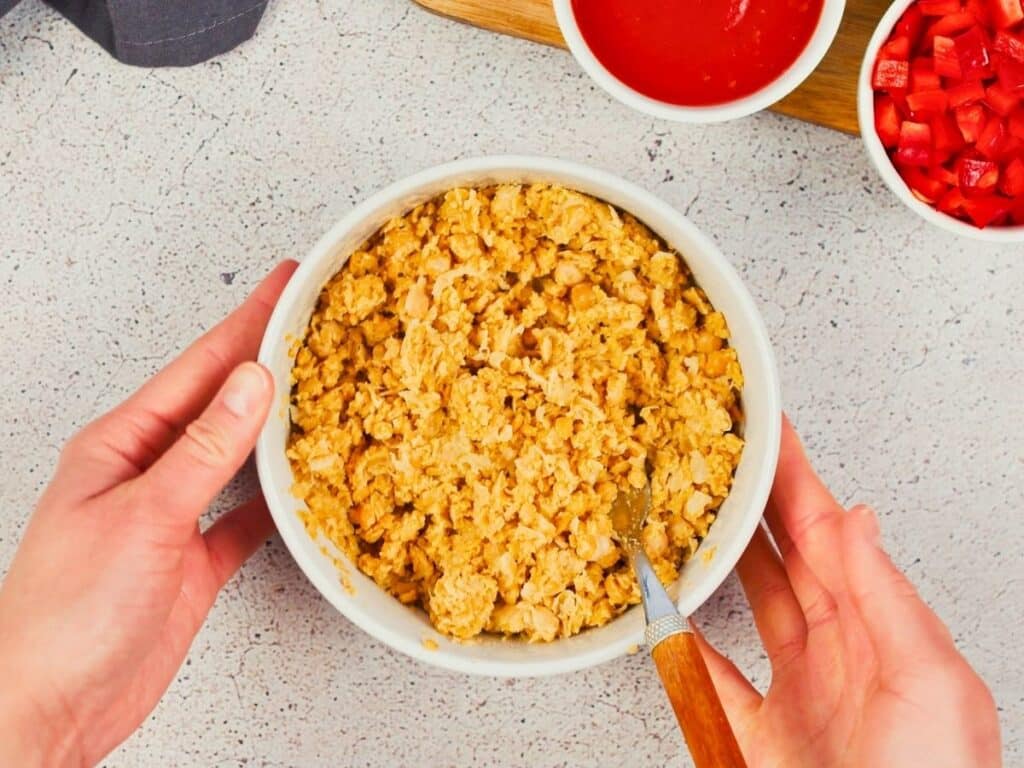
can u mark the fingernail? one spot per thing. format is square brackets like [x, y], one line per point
[869, 525]
[245, 389]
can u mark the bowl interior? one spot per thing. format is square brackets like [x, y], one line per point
[880, 157]
[781, 86]
[404, 628]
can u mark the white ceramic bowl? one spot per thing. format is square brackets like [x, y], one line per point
[878, 155]
[405, 628]
[783, 85]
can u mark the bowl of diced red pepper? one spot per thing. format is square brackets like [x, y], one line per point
[941, 106]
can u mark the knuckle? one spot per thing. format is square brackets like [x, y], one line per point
[80, 443]
[217, 360]
[979, 695]
[73, 447]
[785, 546]
[899, 585]
[773, 589]
[821, 611]
[207, 443]
[806, 525]
[786, 651]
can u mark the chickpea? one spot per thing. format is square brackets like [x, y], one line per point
[708, 342]
[567, 273]
[582, 296]
[717, 362]
[558, 311]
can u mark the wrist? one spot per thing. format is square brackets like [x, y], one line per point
[32, 734]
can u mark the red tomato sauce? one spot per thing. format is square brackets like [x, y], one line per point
[697, 52]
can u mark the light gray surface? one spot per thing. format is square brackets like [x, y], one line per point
[137, 207]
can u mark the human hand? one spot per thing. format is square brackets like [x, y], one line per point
[113, 577]
[863, 673]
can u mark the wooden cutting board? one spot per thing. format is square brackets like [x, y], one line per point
[828, 97]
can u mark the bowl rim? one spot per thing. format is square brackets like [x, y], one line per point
[880, 158]
[788, 81]
[294, 534]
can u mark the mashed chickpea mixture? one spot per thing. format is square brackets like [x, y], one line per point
[478, 382]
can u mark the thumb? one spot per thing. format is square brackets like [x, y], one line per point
[901, 626]
[213, 447]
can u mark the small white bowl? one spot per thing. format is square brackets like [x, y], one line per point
[880, 159]
[783, 85]
[405, 628]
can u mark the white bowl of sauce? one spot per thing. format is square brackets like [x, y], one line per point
[699, 61]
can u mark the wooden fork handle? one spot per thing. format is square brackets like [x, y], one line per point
[695, 701]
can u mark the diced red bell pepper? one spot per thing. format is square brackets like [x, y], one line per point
[949, 106]
[945, 62]
[923, 77]
[1009, 46]
[986, 210]
[990, 142]
[928, 101]
[899, 97]
[970, 120]
[910, 24]
[915, 144]
[943, 174]
[976, 175]
[924, 188]
[1015, 124]
[920, 63]
[965, 93]
[887, 120]
[950, 25]
[891, 75]
[938, 7]
[1001, 101]
[1011, 148]
[915, 134]
[897, 49]
[1011, 76]
[1005, 13]
[979, 10]
[952, 201]
[1016, 214]
[973, 52]
[1012, 183]
[945, 133]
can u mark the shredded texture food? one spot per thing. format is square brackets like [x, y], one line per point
[478, 382]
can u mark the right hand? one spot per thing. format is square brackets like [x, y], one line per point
[863, 672]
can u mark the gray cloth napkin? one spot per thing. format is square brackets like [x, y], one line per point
[161, 33]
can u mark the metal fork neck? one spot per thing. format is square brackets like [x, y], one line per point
[657, 603]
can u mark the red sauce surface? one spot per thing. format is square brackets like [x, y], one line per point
[697, 52]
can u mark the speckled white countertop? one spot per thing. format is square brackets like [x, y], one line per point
[137, 207]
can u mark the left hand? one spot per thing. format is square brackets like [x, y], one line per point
[114, 578]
